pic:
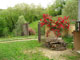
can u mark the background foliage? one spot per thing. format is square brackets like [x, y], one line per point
[33, 13]
[71, 9]
[3, 27]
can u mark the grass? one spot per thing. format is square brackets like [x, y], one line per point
[69, 40]
[72, 57]
[34, 25]
[15, 51]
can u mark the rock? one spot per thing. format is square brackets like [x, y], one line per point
[55, 44]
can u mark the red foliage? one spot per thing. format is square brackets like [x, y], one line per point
[31, 31]
[55, 26]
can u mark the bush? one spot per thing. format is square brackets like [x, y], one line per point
[31, 31]
[6, 31]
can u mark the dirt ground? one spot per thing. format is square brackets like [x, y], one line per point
[56, 55]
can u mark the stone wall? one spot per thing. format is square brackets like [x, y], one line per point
[64, 33]
[51, 33]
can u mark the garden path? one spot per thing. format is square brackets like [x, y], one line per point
[17, 40]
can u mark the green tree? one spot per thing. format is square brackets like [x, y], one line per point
[18, 26]
[56, 8]
[3, 28]
[11, 16]
[71, 9]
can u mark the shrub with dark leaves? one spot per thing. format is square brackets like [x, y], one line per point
[31, 31]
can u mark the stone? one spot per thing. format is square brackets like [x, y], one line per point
[55, 44]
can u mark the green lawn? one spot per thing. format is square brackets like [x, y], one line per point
[34, 25]
[16, 51]
[72, 57]
[69, 41]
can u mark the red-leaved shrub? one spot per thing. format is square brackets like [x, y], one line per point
[31, 31]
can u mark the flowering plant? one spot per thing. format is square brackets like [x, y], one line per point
[55, 26]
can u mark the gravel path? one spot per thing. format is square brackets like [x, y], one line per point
[57, 55]
[52, 54]
[17, 40]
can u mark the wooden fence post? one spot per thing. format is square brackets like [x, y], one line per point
[25, 29]
[39, 32]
